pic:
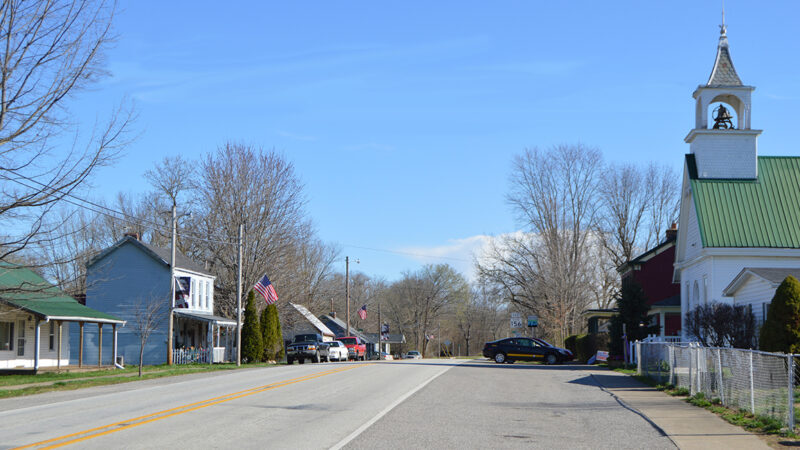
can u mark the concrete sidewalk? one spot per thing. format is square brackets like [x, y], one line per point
[689, 426]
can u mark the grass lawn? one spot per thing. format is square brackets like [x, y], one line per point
[48, 382]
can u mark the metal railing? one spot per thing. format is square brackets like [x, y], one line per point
[758, 382]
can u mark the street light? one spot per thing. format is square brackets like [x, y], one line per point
[347, 288]
[172, 278]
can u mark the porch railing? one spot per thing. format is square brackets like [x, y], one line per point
[191, 356]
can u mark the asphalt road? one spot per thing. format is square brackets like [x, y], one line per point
[408, 404]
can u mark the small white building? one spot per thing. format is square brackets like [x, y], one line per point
[755, 287]
[34, 322]
[738, 210]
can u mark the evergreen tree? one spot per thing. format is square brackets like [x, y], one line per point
[781, 330]
[633, 310]
[271, 330]
[252, 344]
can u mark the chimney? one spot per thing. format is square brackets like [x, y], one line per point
[672, 233]
[132, 234]
[333, 314]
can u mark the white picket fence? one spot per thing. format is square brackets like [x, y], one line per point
[759, 382]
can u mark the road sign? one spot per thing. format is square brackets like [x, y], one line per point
[515, 315]
[516, 322]
[533, 321]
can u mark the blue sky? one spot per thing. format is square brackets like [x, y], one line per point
[402, 119]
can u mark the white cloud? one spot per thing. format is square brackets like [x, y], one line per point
[459, 253]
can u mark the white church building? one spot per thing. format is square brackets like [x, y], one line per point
[740, 213]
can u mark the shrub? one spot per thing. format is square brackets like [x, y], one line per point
[587, 345]
[781, 330]
[252, 345]
[722, 325]
[271, 331]
[569, 344]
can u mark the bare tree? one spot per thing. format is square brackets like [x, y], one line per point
[50, 51]
[637, 206]
[239, 184]
[554, 195]
[147, 313]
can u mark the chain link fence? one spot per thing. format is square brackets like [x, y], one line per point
[758, 382]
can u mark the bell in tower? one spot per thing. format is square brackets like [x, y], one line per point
[722, 118]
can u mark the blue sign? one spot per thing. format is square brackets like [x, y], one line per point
[533, 321]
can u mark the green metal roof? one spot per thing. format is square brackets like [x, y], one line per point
[23, 288]
[764, 212]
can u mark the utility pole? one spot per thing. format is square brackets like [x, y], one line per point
[380, 331]
[239, 301]
[172, 283]
[347, 291]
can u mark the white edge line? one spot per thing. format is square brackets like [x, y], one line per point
[386, 410]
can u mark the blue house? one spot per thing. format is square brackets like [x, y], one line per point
[130, 277]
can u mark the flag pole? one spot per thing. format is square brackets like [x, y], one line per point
[172, 284]
[239, 301]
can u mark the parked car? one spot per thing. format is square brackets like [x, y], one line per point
[337, 351]
[307, 346]
[413, 354]
[509, 350]
[387, 356]
[356, 348]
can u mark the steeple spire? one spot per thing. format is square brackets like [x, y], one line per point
[723, 73]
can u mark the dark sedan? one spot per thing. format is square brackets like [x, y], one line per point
[509, 350]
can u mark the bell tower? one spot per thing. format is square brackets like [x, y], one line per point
[728, 148]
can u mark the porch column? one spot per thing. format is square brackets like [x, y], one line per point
[58, 364]
[80, 346]
[662, 321]
[36, 341]
[114, 344]
[99, 344]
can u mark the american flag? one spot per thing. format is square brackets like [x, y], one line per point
[362, 312]
[182, 291]
[264, 287]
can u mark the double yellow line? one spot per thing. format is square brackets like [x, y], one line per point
[135, 422]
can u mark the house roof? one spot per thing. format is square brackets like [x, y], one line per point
[764, 212]
[649, 254]
[772, 275]
[675, 300]
[210, 318]
[314, 321]
[25, 289]
[723, 73]
[393, 338]
[339, 328]
[162, 255]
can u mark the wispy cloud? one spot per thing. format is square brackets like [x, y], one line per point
[295, 136]
[535, 67]
[459, 253]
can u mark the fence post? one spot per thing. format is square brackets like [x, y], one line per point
[671, 359]
[790, 360]
[752, 390]
[638, 357]
[691, 375]
[719, 377]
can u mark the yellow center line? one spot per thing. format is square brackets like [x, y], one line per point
[177, 410]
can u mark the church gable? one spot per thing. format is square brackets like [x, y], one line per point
[764, 212]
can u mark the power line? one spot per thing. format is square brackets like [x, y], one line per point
[106, 211]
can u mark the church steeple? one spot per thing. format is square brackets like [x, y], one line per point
[728, 152]
[723, 73]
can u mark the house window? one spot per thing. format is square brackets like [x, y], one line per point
[203, 294]
[705, 289]
[7, 336]
[696, 293]
[208, 295]
[21, 338]
[764, 311]
[52, 335]
[194, 293]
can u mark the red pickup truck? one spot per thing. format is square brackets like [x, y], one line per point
[356, 348]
